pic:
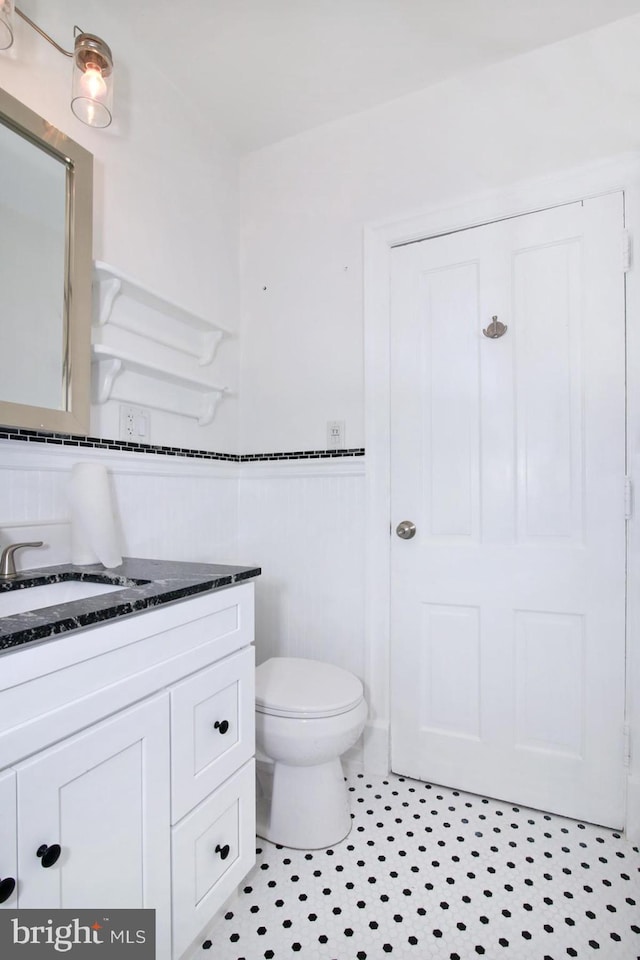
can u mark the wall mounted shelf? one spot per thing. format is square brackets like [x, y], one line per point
[181, 330]
[108, 363]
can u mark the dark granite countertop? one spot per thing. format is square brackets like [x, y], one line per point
[145, 584]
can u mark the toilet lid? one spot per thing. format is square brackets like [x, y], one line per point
[293, 687]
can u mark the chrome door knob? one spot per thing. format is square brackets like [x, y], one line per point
[406, 530]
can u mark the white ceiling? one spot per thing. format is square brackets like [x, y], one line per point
[262, 70]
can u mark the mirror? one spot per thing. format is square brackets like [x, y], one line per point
[46, 199]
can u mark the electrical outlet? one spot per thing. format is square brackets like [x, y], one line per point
[335, 434]
[135, 424]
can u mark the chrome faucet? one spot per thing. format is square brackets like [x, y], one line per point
[8, 564]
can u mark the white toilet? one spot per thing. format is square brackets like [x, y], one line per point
[308, 713]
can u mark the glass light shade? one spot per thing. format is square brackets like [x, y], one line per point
[92, 87]
[6, 23]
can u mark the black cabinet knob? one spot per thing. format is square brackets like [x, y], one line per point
[207, 945]
[49, 855]
[221, 726]
[7, 886]
[223, 851]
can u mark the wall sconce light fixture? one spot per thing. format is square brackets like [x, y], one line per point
[92, 83]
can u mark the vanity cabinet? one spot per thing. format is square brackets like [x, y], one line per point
[128, 774]
[8, 843]
[102, 799]
[213, 840]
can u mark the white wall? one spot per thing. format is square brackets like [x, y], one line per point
[165, 206]
[304, 202]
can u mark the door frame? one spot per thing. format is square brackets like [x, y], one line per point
[611, 175]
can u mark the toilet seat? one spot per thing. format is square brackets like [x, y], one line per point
[305, 689]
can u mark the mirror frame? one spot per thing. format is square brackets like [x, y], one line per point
[78, 269]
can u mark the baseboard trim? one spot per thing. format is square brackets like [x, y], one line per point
[375, 751]
[632, 827]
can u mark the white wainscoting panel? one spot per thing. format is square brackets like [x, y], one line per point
[168, 507]
[302, 522]
[304, 525]
[180, 518]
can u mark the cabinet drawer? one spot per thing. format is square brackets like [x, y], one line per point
[212, 729]
[213, 849]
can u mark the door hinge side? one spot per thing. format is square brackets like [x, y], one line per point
[626, 733]
[628, 498]
[626, 251]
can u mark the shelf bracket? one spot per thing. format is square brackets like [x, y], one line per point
[208, 406]
[108, 291]
[210, 343]
[105, 373]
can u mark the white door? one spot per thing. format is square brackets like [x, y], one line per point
[508, 454]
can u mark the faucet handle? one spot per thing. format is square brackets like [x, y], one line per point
[8, 564]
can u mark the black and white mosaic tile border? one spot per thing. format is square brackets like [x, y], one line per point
[431, 873]
[97, 443]
[302, 455]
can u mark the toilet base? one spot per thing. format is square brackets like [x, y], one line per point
[306, 808]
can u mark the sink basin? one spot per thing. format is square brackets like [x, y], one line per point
[50, 595]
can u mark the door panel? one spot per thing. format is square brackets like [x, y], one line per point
[8, 839]
[450, 391]
[109, 815]
[450, 702]
[549, 389]
[550, 664]
[509, 455]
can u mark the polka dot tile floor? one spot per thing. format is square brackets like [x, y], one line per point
[429, 872]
